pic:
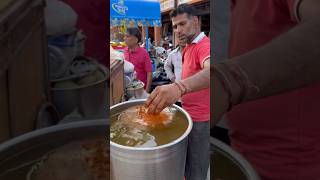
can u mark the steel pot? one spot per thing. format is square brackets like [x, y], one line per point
[137, 91]
[91, 99]
[18, 155]
[165, 162]
[228, 164]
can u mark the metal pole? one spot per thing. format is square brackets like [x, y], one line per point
[173, 34]
[147, 37]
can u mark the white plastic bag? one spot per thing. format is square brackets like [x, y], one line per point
[60, 18]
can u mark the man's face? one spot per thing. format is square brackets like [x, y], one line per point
[185, 27]
[130, 40]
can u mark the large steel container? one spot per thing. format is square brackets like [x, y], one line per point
[228, 164]
[18, 155]
[92, 100]
[165, 162]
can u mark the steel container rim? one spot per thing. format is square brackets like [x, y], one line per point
[176, 141]
[236, 157]
[105, 78]
[49, 130]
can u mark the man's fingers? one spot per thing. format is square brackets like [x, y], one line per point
[161, 105]
[155, 103]
[152, 96]
[155, 100]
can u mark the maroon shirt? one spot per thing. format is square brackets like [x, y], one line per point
[92, 19]
[141, 61]
[280, 134]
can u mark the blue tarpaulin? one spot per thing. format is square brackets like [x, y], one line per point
[138, 12]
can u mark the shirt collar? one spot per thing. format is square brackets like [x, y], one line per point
[134, 50]
[198, 38]
[176, 49]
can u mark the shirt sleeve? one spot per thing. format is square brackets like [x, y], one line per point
[147, 63]
[293, 6]
[168, 66]
[203, 53]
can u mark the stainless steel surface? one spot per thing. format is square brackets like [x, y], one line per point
[137, 91]
[91, 100]
[47, 116]
[233, 157]
[19, 154]
[165, 162]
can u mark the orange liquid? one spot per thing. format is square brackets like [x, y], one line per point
[152, 119]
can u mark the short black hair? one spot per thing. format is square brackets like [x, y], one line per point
[134, 32]
[184, 8]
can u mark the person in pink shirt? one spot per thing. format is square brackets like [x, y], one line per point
[138, 56]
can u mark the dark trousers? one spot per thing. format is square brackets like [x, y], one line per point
[198, 155]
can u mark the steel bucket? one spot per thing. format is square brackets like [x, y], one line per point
[92, 100]
[165, 162]
[18, 155]
[228, 164]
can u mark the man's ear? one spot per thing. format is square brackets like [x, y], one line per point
[137, 40]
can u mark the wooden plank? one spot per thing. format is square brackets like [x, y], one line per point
[4, 109]
[4, 46]
[23, 77]
[4, 4]
[116, 82]
[26, 85]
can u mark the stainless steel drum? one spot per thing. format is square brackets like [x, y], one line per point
[165, 162]
[92, 100]
[228, 164]
[18, 155]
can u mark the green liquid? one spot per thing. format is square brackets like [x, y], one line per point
[223, 168]
[146, 136]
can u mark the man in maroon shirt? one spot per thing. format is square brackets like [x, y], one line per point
[274, 49]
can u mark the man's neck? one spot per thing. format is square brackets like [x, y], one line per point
[194, 36]
[133, 48]
[181, 48]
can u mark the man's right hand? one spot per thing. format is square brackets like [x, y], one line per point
[162, 97]
[173, 79]
[220, 100]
